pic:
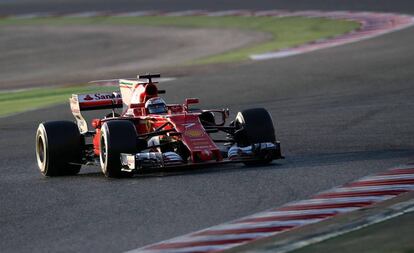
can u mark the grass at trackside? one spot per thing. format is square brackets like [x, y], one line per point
[285, 31]
[391, 236]
[19, 101]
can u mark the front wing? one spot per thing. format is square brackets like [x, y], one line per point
[146, 162]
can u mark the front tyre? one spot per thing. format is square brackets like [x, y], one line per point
[254, 126]
[58, 148]
[117, 136]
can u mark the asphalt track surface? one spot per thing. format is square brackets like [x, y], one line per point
[341, 113]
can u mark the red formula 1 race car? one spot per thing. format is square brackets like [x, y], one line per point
[151, 135]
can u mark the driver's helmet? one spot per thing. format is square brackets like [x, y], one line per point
[156, 105]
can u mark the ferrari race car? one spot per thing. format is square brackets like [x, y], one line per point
[150, 135]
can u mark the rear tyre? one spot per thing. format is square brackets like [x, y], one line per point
[117, 136]
[58, 148]
[254, 126]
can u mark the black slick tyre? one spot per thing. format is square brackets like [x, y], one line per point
[254, 126]
[58, 148]
[117, 136]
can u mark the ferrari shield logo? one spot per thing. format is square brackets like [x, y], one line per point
[194, 133]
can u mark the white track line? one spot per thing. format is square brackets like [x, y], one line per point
[293, 223]
[408, 187]
[192, 249]
[302, 212]
[388, 177]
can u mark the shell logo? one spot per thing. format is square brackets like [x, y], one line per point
[194, 133]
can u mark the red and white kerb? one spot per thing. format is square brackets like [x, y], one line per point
[352, 196]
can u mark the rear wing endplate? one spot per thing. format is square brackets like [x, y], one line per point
[94, 101]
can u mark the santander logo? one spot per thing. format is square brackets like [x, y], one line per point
[101, 96]
[88, 98]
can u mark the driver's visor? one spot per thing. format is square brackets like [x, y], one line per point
[157, 108]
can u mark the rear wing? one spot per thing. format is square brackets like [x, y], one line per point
[94, 101]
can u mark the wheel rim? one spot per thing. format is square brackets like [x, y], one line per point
[103, 154]
[41, 153]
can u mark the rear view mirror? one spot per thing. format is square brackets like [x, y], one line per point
[191, 101]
